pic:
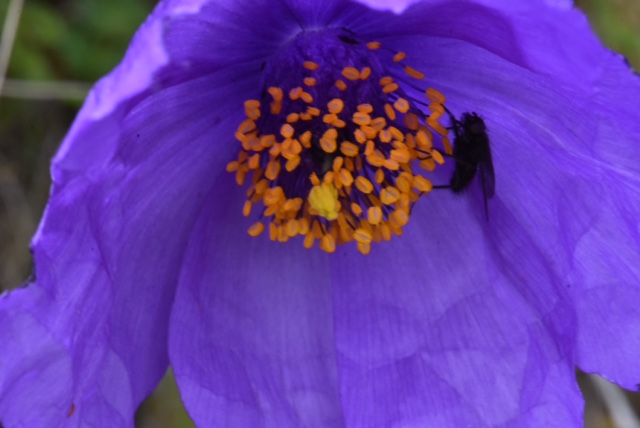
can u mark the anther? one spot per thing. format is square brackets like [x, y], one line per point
[246, 208]
[423, 141]
[365, 108]
[378, 124]
[391, 114]
[306, 97]
[296, 93]
[362, 236]
[310, 65]
[351, 73]
[360, 118]
[364, 185]
[399, 56]
[337, 163]
[437, 156]
[328, 141]
[391, 87]
[292, 163]
[356, 209]
[349, 149]
[401, 105]
[435, 96]
[389, 195]
[412, 122]
[256, 229]
[328, 243]
[252, 109]
[374, 45]
[387, 80]
[276, 93]
[292, 228]
[345, 177]
[287, 130]
[341, 85]
[399, 218]
[422, 184]
[413, 72]
[313, 111]
[335, 106]
[254, 161]
[374, 215]
[273, 169]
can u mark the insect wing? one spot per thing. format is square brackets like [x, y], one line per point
[487, 175]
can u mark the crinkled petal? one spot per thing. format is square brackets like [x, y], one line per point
[253, 329]
[251, 339]
[87, 340]
[386, 353]
[605, 280]
[474, 312]
[527, 116]
[594, 230]
[262, 353]
[420, 330]
[243, 30]
[547, 37]
[588, 217]
[300, 338]
[427, 338]
[33, 358]
[61, 353]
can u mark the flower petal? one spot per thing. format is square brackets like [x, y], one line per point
[584, 202]
[252, 331]
[387, 310]
[235, 31]
[605, 281]
[251, 337]
[110, 246]
[30, 345]
[538, 131]
[59, 333]
[109, 100]
[453, 324]
[544, 36]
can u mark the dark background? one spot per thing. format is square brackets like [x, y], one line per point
[62, 46]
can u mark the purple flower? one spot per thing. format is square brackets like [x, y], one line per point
[143, 257]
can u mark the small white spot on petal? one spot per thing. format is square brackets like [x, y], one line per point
[396, 6]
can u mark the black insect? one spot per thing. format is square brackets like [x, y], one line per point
[472, 151]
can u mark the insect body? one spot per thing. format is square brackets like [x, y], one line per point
[472, 151]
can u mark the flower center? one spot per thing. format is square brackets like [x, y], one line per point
[335, 149]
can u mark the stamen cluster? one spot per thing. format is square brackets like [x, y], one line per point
[338, 172]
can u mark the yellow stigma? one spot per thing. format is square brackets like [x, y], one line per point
[332, 168]
[324, 199]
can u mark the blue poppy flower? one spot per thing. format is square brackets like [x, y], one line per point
[143, 258]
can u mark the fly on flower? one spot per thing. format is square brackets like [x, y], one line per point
[472, 152]
[336, 149]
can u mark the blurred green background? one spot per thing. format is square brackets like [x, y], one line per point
[61, 47]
